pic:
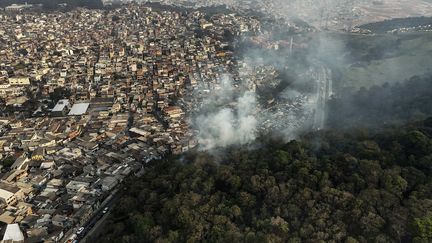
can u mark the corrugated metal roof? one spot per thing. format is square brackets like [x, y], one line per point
[61, 104]
[13, 232]
[79, 109]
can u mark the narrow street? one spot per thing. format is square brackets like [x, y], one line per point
[92, 226]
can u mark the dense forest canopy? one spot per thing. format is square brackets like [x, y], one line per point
[326, 187]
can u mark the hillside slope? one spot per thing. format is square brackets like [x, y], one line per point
[327, 187]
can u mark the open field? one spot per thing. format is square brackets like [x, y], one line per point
[388, 9]
[379, 59]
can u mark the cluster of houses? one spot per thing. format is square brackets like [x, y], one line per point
[93, 95]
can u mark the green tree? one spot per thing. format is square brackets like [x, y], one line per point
[422, 229]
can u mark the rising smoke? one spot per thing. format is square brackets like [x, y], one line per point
[230, 117]
[236, 113]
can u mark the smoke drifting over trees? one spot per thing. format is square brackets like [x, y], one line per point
[301, 86]
[280, 93]
[382, 105]
[359, 185]
[222, 126]
[355, 188]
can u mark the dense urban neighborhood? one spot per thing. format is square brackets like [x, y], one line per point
[89, 96]
[99, 99]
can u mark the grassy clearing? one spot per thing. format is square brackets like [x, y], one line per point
[375, 60]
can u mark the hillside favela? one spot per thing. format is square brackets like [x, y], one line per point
[216, 121]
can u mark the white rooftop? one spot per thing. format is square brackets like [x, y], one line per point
[13, 232]
[61, 104]
[79, 109]
[5, 194]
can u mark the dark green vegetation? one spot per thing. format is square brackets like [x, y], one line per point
[389, 25]
[53, 4]
[356, 60]
[344, 185]
[58, 94]
[354, 187]
[378, 59]
[7, 162]
[381, 105]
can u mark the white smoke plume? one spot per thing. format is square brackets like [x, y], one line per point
[230, 120]
[231, 113]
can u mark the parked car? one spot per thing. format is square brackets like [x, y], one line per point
[80, 230]
[105, 210]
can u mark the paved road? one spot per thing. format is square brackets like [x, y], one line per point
[92, 225]
[98, 217]
[96, 229]
[324, 92]
[95, 225]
